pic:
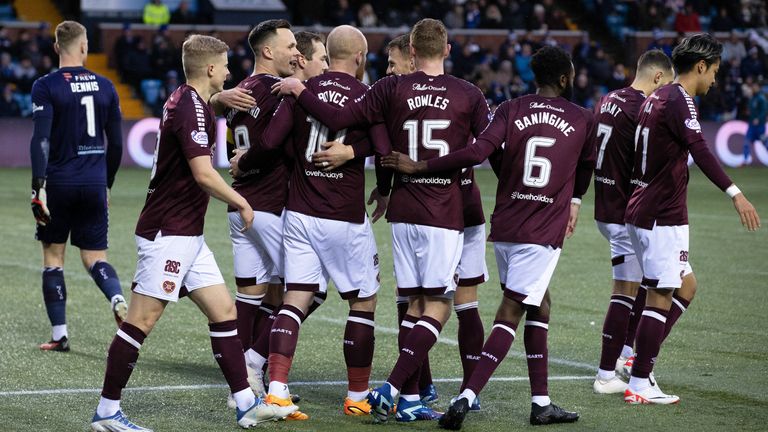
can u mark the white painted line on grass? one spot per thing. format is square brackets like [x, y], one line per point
[52, 392]
[454, 342]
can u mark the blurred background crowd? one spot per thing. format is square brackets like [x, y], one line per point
[153, 68]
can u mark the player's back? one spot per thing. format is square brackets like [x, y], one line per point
[616, 116]
[175, 203]
[80, 103]
[265, 187]
[428, 117]
[546, 138]
[668, 121]
[338, 194]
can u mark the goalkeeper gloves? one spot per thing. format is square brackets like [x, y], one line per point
[40, 202]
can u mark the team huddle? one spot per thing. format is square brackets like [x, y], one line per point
[299, 131]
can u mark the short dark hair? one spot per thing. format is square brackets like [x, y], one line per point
[654, 58]
[263, 31]
[305, 43]
[694, 49]
[549, 63]
[402, 42]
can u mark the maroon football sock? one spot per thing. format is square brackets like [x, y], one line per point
[282, 341]
[247, 310]
[650, 334]
[420, 340]
[424, 375]
[493, 352]
[358, 349]
[471, 336]
[402, 308]
[679, 306]
[261, 343]
[634, 317]
[614, 330]
[121, 359]
[228, 353]
[536, 352]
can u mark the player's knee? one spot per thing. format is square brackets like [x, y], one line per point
[367, 304]
[510, 310]
[90, 258]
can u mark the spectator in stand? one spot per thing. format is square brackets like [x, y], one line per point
[600, 69]
[752, 66]
[46, 66]
[492, 18]
[5, 42]
[7, 74]
[25, 75]
[342, 14]
[137, 64]
[473, 15]
[659, 43]
[619, 77]
[454, 19]
[183, 14]
[366, 16]
[555, 19]
[722, 22]
[23, 39]
[687, 20]
[156, 13]
[9, 107]
[650, 17]
[45, 41]
[538, 19]
[583, 92]
[124, 45]
[523, 63]
[734, 49]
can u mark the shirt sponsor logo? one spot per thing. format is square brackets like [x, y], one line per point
[639, 183]
[426, 180]
[693, 124]
[539, 105]
[466, 182]
[427, 87]
[531, 197]
[605, 180]
[330, 175]
[200, 137]
[615, 96]
[326, 83]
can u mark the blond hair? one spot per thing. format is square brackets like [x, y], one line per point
[429, 38]
[198, 51]
[68, 32]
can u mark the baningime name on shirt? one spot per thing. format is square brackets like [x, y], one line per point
[547, 118]
[531, 197]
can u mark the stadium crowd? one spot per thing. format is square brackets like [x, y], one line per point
[153, 69]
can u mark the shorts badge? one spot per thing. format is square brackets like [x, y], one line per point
[169, 286]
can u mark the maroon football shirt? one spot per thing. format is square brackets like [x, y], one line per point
[338, 194]
[175, 203]
[266, 185]
[426, 117]
[547, 158]
[616, 116]
[668, 129]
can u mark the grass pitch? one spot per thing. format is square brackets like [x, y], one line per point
[716, 358]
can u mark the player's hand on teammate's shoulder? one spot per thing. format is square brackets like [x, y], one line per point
[234, 169]
[749, 217]
[236, 98]
[40, 202]
[335, 155]
[382, 202]
[402, 163]
[288, 86]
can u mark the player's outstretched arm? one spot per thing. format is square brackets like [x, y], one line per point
[211, 182]
[39, 149]
[330, 115]
[237, 98]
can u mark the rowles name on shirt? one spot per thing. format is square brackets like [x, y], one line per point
[427, 100]
[544, 118]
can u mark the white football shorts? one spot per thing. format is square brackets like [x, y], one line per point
[472, 269]
[318, 249]
[425, 259]
[166, 264]
[662, 253]
[623, 259]
[258, 252]
[525, 270]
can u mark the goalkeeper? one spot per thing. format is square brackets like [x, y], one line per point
[72, 171]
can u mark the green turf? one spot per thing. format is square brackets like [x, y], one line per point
[716, 359]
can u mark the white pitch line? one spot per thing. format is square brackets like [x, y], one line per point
[454, 342]
[52, 392]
